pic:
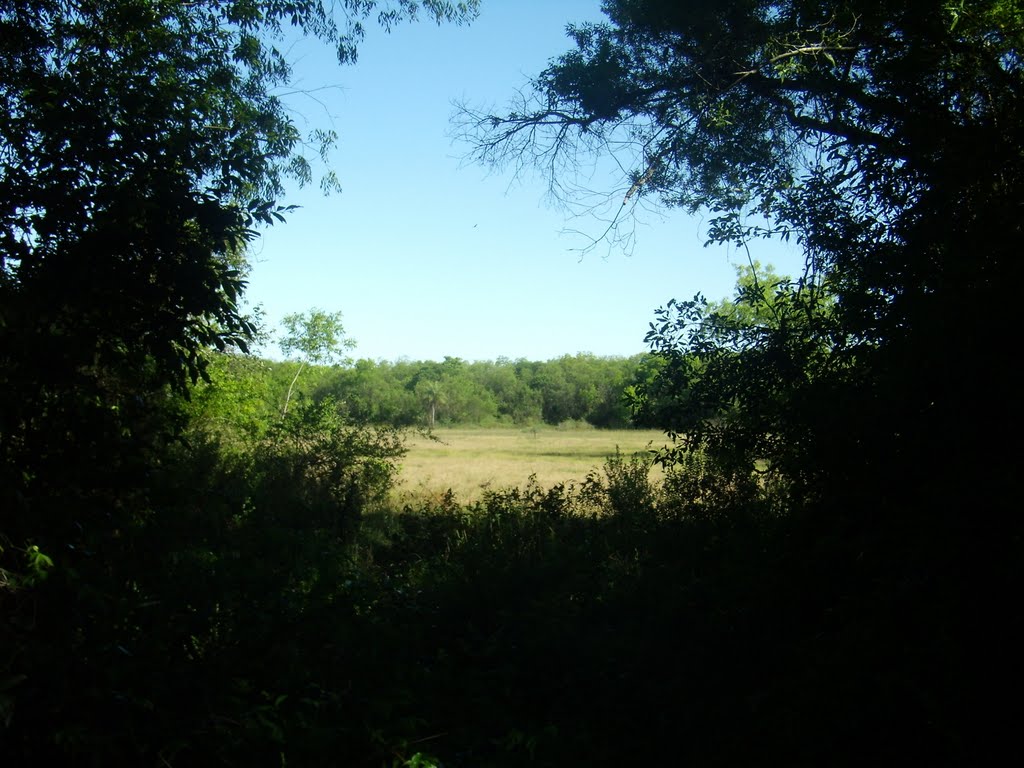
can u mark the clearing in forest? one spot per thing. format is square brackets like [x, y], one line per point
[469, 461]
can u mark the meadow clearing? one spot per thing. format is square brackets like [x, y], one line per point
[470, 461]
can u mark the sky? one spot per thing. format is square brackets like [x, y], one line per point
[429, 255]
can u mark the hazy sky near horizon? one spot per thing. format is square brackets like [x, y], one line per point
[428, 255]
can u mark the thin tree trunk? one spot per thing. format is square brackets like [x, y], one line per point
[288, 397]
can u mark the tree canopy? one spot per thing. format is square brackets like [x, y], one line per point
[876, 406]
[828, 568]
[885, 139]
[316, 337]
[145, 141]
[144, 145]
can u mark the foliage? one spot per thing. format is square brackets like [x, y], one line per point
[145, 143]
[236, 403]
[186, 628]
[580, 388]
[317, 338]
[739, 376]
[884, 140]
[714, 624]
[825, 573]
[864, 405]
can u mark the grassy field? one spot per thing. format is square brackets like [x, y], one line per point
[470, 461]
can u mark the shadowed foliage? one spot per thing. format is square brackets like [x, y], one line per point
[828, 572]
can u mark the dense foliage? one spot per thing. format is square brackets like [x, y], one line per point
[208, 573]
[887, 142]
[143, 145]
[873, 392]
[579, 389]
[644, 390]
[143, 142]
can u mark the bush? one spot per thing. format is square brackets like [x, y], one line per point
[622, 488]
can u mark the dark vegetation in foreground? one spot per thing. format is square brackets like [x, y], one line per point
[267, 610]
[250, 599]
[830, 573]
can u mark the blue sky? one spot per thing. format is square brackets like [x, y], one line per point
[427, 255]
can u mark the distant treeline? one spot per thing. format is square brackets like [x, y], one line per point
[580, 388]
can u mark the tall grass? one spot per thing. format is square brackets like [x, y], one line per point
[470, 462]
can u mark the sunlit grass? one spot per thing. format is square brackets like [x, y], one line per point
[469, 461]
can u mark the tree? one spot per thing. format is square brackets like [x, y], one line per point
[887, 141]
[373, 393]
[515, 401]
[317, 338]
[866, 423]
[450, 392]
[864, 414]
[129, 190]
[759, 291]
[741, 376]
[144, 144]
[434, 395]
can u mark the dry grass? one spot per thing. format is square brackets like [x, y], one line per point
[470, 461]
